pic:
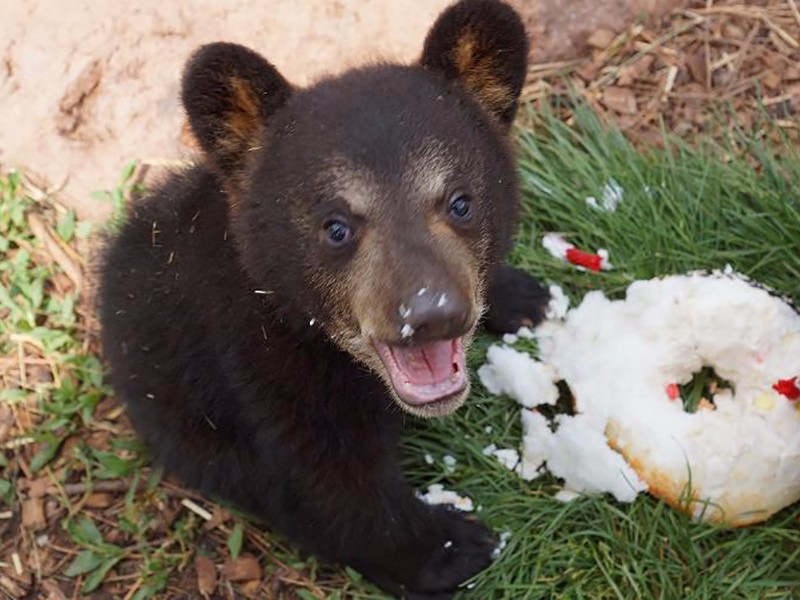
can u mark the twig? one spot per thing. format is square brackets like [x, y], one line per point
[48, 239]
[795, 11]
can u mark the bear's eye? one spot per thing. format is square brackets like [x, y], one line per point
[460, 206]
[338, 232]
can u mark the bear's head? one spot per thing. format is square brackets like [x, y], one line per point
[372, 205]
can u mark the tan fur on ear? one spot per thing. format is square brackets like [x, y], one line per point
[478, 73]
[242, 123]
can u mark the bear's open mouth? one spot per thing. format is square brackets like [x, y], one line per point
[426, 373]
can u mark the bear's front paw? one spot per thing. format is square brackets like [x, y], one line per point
[465, 550]
[515, 300]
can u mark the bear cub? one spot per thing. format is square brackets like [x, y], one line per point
[272, 314]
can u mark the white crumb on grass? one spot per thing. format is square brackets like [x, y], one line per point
[488, 429]
[526, 333]
[605, 263]
[436, 494]
[429, 459]
[611, 198]
[566, 495]
[450, 463]
[508, 457]
[510, 338]
[556, 245]
[501, 544]
[559, 303]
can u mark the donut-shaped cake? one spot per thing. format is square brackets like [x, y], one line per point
[736, 460]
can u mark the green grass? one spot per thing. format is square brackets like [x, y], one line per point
[683, 209]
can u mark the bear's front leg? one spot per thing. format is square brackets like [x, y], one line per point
[451, 549]
[515, 300]
[379, 527]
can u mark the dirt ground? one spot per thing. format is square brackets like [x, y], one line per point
[86, 86]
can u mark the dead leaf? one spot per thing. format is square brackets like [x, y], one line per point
[206, 575]
[243, 568]
[621, 100]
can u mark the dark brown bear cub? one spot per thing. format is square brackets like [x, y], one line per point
[271, 314]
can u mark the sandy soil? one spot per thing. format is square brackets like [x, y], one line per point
[86, 86]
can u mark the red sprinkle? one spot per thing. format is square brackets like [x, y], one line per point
[673, 391]
[593, 262]
[788, 388]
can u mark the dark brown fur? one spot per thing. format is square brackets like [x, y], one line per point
[242, 340]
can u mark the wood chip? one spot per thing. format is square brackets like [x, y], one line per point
[242, 569]
[638, 70]
[218, 517]
[38, 488]
[771, 80]
[6, 422]
[697, 65]
[33, 514]
[52, 591]
[621, 100]
[100, 500]
[11, 587]
[601, 38]
[206, 575]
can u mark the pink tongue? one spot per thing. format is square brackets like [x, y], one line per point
[426, 365]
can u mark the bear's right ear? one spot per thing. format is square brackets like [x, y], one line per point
[483, 45]
[228, 92]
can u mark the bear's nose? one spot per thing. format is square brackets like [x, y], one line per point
[431, 315]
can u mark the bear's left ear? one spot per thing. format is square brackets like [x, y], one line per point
[229, 92]
[483, 44]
